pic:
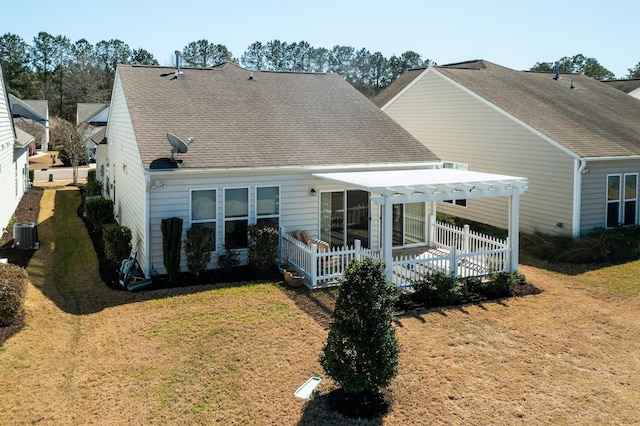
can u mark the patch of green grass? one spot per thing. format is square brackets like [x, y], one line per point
[623, 278]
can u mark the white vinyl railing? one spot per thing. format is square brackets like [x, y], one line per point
[459, 252]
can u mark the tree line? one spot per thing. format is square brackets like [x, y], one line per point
[66, 73]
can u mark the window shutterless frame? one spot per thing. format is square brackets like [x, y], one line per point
[236, 208]
[267, 202]
[614, 193]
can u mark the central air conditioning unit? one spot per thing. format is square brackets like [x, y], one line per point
[25, 236]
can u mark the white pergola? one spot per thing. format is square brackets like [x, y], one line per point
[391, 187]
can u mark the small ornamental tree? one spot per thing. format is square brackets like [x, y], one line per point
[263, 247]
[198, 246]
[171, 240]
[362, 349]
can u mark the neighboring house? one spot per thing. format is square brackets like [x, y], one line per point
[576, 139]
[14, 163]
[302, 151]
[32, 116]
[629, 86]
[95, 117]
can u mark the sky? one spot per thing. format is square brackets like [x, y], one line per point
[515, 34]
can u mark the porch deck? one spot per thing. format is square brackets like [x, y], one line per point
[455, 251]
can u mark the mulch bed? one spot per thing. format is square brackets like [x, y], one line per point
[27, 211]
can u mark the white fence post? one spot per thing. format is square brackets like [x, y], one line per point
[358, 250]
[453, 263]
[432, 229]
[314, 265]
[280, 245]
[465, 239]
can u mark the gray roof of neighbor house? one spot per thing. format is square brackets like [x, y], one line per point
[86, 111]
[23, 138]
[99, 137]
[32, 108]
[396, 87]
[240, 118]
[627, 86]
[585, 115]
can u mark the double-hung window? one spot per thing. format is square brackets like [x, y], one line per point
[268, 205]
[622, 199]
[204, 209]
[236, 217]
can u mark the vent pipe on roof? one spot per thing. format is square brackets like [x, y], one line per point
[557, 71]
[177, 70]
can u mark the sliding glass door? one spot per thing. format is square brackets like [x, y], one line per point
[409, 224]
[344, 217]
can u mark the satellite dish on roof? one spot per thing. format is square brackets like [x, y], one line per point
[178, 145]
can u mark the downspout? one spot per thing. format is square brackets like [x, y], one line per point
[147, 227]
[579, 167]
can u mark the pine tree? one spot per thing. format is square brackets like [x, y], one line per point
[362, 349]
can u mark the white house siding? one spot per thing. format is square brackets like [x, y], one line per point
[123, 168]
[459, 127]
[298, 208]
[10, 188]
[594, 190]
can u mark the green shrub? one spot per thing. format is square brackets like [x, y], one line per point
[471, 285]
[499, 285]
[117, 241]
[437, 289]
[544, 246]
[199, 244]
[362, 349]
[93, 186]
[606, 245]
[99, 211]
[228, 259]
[13, 286]
[171, 241]
[263, 247]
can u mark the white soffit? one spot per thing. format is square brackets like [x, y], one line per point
[427, 181]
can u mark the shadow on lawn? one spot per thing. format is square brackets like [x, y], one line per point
[65, 268]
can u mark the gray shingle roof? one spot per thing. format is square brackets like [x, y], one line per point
[627, 86]
[86, 111]
[396, 87]
[592, 119]
[273, 119]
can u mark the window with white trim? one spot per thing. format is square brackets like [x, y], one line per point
[455, 166]
[268, 205]
[622, 200]
[236, 217]
[204, 208]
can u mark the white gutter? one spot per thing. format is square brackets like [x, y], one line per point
[434, 164]
[618, 158]
[579, 167]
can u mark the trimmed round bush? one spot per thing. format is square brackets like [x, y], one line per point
[13, 286]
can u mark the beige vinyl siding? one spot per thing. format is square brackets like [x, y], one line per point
[594, 190]
[129, 206]
[298, 209]
[458, 127]
[7, 166]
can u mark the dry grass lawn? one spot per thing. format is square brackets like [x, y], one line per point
[235, 355]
